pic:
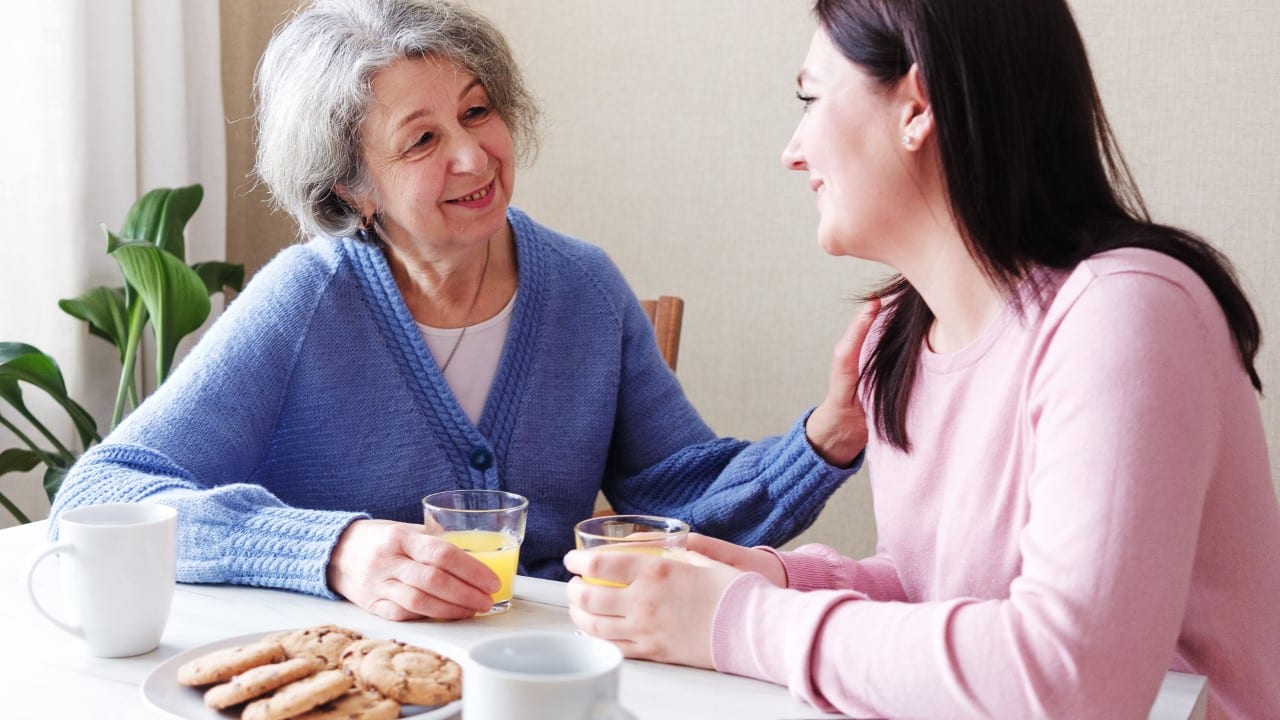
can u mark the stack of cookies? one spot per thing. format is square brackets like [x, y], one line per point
[324, 671]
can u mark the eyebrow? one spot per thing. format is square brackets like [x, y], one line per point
[420, 112]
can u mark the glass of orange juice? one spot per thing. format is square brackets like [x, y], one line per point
[648, 534]
[488, 524]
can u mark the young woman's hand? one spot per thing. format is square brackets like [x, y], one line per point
[399, 572]
[663, 613]
[743, 558]
[837, 428]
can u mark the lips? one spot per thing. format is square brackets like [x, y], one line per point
[474, 196]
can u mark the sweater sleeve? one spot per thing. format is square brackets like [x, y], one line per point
[197, 442]
[665, 460]
[818, 567]
[1125, 413]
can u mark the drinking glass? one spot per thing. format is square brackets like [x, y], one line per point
[488, 524]
[647, 534]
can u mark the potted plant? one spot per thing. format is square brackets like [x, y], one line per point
[161, 294]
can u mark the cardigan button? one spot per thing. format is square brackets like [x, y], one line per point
[480, 458]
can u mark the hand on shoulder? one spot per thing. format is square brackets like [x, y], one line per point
[837, 428]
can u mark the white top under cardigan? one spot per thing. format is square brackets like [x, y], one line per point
[470, 374]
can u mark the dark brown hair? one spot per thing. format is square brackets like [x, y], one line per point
[1033, 173]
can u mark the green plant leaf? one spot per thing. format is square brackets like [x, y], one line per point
[131, 303]
[24, 362]
[18, 460]
[144, 216]
[105, 311]
[11, 392]
[173, 294]
[86, 426]
[218, 276]
[19, 361]
[160, 216]
[17, 514]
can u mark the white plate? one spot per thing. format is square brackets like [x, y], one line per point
[161, 689]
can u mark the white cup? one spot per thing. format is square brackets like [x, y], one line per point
[542, 676]
[118, 564]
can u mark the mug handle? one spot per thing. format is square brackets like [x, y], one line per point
[608, 710]
[31, 592]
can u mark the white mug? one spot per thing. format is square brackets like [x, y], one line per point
[118, 564]
[542, 676]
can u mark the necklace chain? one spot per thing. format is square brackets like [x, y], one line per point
[466, 322]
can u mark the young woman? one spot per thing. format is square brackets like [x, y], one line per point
[1071, 480]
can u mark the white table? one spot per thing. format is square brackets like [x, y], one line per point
[44, 672]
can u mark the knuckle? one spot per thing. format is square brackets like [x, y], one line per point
[660, 571]
[435, 553]
[384, 608]
[591, 567]
[585, 621]
[430, 576]
[427, 605]
[646, 612]
[574, 591]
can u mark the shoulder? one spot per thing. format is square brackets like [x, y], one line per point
[297, 274]
[302, 262]
[1136, 283]
[571, 266]
[1129, 270]
[282, 297]
[1138, 308]
[579, 253]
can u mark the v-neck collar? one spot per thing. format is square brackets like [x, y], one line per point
[422, 376]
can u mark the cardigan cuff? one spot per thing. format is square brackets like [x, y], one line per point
[289, 548]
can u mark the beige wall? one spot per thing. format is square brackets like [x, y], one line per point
[665, 118]
[254, 234]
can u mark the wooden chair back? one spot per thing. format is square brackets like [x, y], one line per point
[666, 313]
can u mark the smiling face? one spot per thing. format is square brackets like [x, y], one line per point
[849, 141]
[438, 157]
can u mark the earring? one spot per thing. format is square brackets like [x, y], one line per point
[906, 141]
[365, 232]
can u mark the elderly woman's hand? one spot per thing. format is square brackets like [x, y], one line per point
[663, 613]
[399, 572]
[837, 428]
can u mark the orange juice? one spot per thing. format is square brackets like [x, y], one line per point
[643, 548]
[499, 552]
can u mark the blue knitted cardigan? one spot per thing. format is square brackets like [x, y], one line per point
[313, 401]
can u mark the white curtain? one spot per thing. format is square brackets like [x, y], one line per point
[105, 99]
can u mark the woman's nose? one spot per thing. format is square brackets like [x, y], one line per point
[792, 159]
[466, 155]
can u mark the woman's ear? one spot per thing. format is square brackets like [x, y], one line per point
[916, 117]
[365, 208]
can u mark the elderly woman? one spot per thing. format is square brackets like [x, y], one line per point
[429, 337]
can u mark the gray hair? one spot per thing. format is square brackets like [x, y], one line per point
[314, 87]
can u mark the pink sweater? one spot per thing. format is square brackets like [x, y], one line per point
[1088, 503]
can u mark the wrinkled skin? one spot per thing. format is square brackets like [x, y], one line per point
[397, 571]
